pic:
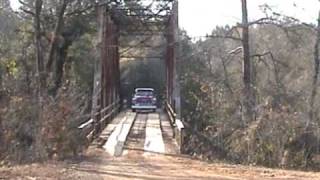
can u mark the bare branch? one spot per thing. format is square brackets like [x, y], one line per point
[268, 54]
[80, 11]
[236, 50]
[23, 3]
[224, 37]
[28, 12]
[265, 20]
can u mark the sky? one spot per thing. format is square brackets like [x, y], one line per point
[199, 17]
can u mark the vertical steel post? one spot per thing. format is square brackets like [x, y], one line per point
[173, 87]
[176, 57]
[98, 81]
[173, 90]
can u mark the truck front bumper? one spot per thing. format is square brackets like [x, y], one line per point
[143, 107]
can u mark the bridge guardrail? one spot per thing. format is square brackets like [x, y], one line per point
[172, 115]
[89, 129]
[176, 124]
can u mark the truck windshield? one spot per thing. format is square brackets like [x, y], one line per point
[144, 93]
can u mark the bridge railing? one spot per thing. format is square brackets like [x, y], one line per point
[89, 128]
[176, 124]
[172, 115]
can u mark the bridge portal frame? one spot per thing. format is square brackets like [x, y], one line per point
[106, 98]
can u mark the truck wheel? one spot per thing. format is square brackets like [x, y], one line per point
[133, 110]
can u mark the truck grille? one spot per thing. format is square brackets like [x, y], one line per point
[144, 101]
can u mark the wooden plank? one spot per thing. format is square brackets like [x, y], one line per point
[171, 114]
[171, 110]
[111, 126]
[90, 136]
[82, 126]
[179, 124]
[115, 143]
[154, 141]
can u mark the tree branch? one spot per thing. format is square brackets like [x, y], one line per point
[224, 37]
[28, 12]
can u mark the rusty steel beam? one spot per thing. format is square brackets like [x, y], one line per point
[142, 34]
[109, 62]
[142, 57]
[171, 58]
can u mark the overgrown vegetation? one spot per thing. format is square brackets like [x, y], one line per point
[32, 130]
[211, 77]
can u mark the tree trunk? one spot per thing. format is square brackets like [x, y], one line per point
[26, 67]
[0, 81]
[39, 150]
[39, 52]
[60, 61]
[248, 99]
[1, 129]
[57, 31]
[56, 51]
[316, 74]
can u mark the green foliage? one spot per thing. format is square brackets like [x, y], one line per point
[82, 59]
[12, 68]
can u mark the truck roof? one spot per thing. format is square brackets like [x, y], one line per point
[144, 89]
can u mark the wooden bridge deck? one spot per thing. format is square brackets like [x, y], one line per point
[147, 132]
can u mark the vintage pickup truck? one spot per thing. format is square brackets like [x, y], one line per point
[144, 99]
